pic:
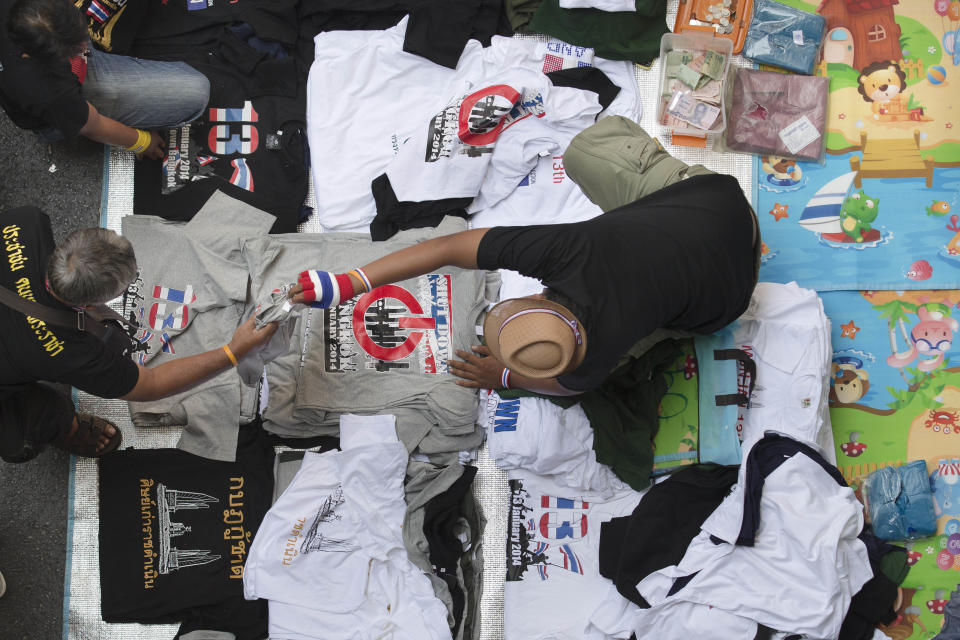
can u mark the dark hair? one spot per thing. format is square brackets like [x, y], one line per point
[47, 29]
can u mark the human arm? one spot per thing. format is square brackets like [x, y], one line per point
[108, 131]
[456, 250]
[484, 371]
[179, 375]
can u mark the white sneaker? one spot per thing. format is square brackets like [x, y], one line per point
[3, 585]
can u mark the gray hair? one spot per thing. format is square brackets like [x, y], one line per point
[91, 266]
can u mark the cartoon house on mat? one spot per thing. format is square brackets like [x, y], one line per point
[860, 31]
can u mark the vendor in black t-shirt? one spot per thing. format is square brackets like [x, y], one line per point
[52, 82]
[681, 258]
[90, 267]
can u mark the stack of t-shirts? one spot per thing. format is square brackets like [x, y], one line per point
[539, 436]
[547, 194]
[782, 550]
[354, 131]
[249, 143]
[382, 352]
[553, 581]
[417, 91]
[189, 297]
[442, 532]
[787, 334]
[329, 555]
[175, 532]
[171, 28]
[479, 145]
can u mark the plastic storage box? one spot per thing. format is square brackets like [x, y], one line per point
[694, 42]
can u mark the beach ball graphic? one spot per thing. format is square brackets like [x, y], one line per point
[936, 75]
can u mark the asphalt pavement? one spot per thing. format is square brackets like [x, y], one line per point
[64, 180]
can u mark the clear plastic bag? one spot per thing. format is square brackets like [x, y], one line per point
[784, 37]
[899, 502]
[778, 114]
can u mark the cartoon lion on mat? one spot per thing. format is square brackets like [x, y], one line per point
[882, 84]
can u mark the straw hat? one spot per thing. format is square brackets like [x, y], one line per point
[536, 338]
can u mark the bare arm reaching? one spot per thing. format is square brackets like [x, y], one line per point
[179, 375]
[108, 131]
[456, 250]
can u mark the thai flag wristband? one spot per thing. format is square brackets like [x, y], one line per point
[505, 379]
[323, 290]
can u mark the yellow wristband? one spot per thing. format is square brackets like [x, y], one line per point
[143, 141]
[233, 358]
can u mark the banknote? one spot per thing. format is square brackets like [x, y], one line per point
[688, 76]
[678, 57]
[712, 64]
[699, 114]
[709, 92]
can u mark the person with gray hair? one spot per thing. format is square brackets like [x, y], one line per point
[92, 265]
[89, 268]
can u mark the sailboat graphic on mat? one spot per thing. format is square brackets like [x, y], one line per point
[823, 215]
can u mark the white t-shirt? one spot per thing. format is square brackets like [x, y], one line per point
[805, 553]
[356, 124]
[553, 580]
[487, 135]
[788, 336]
[536, 435]
[365, 96]
[329, 554]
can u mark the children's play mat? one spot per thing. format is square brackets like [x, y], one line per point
[887, 265]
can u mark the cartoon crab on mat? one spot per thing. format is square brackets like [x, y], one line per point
[945, 421]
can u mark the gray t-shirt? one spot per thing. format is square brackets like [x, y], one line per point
[189, 297]
[383, 352]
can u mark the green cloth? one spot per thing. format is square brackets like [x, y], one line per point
[520, 12]
[615, 35]
[894, 566]
[624, 412]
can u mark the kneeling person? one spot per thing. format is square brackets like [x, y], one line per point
[676, 253]
[87, 269]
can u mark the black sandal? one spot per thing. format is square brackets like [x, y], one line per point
[83, 442]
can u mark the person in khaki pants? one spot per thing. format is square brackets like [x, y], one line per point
[615, 162]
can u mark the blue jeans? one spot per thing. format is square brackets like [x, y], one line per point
[146, 94]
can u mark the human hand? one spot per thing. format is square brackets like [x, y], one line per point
[478, 371]
[321, 289]
[154, 150]
[247, 336]
[295, 295]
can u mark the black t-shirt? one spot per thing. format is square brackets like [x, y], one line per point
[679, 258]
[36, 94]
[175, 530]
[250, 142]
[31, 350]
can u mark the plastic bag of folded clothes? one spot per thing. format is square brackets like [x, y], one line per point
[899, 502]
[777, 114]
[784, 37]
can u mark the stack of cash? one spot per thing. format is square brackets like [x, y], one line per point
[691, 89]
